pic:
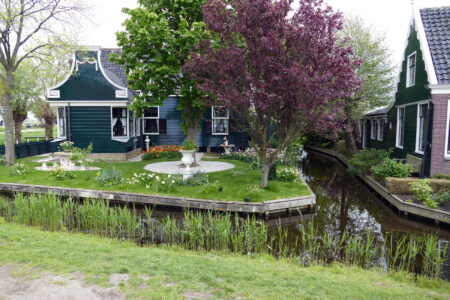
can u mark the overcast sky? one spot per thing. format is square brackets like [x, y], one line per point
[388, 16]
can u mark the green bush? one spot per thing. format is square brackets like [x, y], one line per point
[391, 168]
[17, 169]
[341, 147]
[2, 159]
[441, 176]
[109, 177]
[422, 192]
[199, 178]
[288, 174]
[189, 145]
[60, 174]
[362, 161]
[441, 198]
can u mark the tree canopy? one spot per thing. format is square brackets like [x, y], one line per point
[158, 38]
[282, 73]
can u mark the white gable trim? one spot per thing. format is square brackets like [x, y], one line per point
[123, 90]
[89, 103]
[52, 92]
[426, 53]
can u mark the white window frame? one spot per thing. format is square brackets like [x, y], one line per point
[373, 132]
[380, 134]
[419, 105]
[148, 118]
[408, 83]
[134, 124]
[219, 118]
[397, 134]
[60, 136]
[123, 138]
[447, 140]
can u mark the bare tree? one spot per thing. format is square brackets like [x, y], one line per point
[44, 111]
[29, 29]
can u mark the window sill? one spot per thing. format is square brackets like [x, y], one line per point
[418, 152]
[399, 147]
[121, 139]
[214, 133]
[59, 139]
[446, 156]
[155, 133]
[380, 140]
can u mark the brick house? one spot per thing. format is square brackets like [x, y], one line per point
[417, 121]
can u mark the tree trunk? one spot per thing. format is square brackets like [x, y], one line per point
[192, 131]
[8, 118]
[49, 129]
[18, 118]
[265, 168]
[350, 144]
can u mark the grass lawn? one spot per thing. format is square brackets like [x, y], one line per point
[27, 132]
[166, 273]
[234, 181]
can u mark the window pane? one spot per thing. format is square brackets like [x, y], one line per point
[61, 121]
[151, 126]
[220, 126]
[119, 121]
[151, 112]
[220, 112]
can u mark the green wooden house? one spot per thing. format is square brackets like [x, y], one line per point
[92, 105]
[416, 123]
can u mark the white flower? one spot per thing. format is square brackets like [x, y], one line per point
[135, 175]
[169, 176]
[157, 178]
[173, 181]
[147, 186]
[163, 182]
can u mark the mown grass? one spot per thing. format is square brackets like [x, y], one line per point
[172, 270]
[27, 132]
[234, 186]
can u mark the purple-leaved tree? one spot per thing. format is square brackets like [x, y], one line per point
[281, 73]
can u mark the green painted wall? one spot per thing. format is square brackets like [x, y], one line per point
[418, 91]
[88, 83]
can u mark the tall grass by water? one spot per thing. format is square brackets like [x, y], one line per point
[224, 232]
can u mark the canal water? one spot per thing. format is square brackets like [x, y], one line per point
[345, 204]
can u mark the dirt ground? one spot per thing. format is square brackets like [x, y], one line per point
[55, 287]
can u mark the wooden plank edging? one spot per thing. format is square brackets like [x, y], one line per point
[266, 207]
[403, 206]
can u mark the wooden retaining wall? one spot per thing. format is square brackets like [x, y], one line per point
[438, 216]
[279, 206]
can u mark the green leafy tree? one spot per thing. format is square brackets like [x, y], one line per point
[28, 28]
[158, 38]
[376, 70]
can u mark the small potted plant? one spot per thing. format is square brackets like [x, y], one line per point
[66, 146]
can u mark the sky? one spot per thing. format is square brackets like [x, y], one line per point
[390, 17]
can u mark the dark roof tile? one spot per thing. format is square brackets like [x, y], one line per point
[436, 22]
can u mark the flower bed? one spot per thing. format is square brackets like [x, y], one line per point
[285, 158]
[163, 151]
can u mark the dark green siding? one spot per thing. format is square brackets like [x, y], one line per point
[418, 91]
[93, 125]
[176, 136]
[87, 83]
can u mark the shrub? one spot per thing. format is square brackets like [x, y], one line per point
[80, 155]
[17, 169]
[441, 198]
[189, 145]
[441, 176]
[341, 147]
[66, 145]
[60, 174]
[362, 161]
[211, 187]
[422, 191]
[164, 151]
[391, 168]
[254, 192]
[199, 178]
[288, 174]
[109, 177]
[2, 159]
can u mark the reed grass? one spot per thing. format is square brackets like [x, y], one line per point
[227, 233]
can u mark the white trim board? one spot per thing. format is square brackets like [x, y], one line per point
[447, 125]
[89, 103]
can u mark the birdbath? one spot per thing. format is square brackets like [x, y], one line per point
[227, 147]
[187, 160]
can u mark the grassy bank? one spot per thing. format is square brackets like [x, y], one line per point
[234, 182]
[172, 271]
